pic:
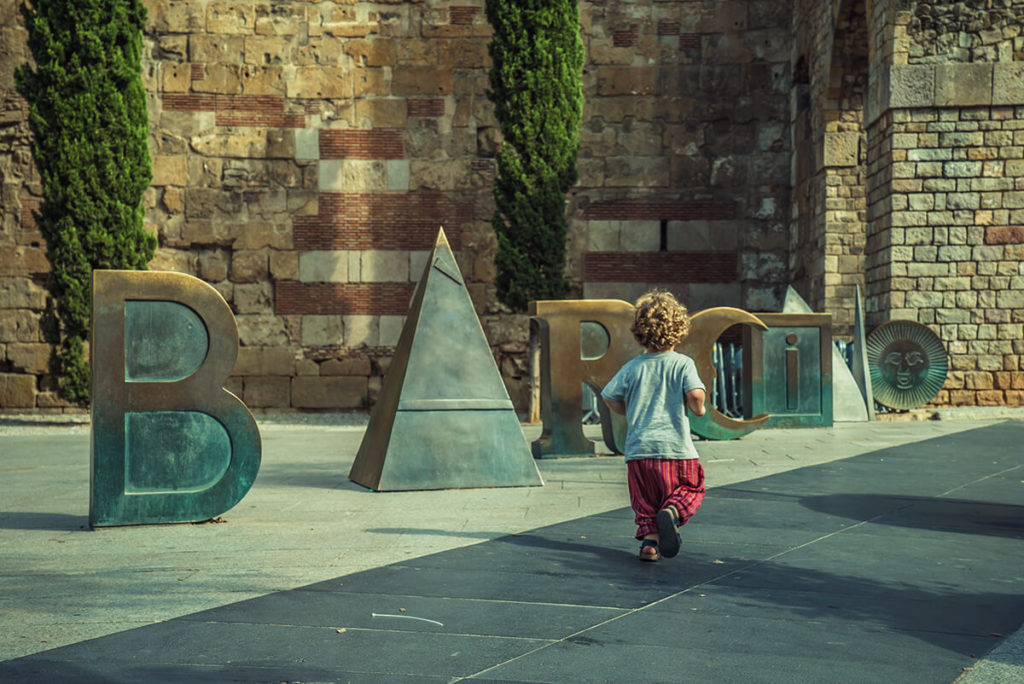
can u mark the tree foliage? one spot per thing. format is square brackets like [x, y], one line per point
[88, 117]
[536, 86]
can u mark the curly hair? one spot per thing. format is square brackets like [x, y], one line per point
[660, 322]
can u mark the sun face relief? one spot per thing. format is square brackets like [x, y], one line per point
[907, 363]
[905, 368]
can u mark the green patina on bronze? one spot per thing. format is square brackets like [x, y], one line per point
[165, 341]
[581, 341]
[587, 341]
[788, 370]
[169, 443]
[444, 419]
[705, 328]
[907, 364]
[174, 451]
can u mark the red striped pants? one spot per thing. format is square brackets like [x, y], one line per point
[654, 483]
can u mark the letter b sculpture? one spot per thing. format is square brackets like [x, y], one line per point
[169, 443]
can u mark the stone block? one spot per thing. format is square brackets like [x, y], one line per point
[702, 236]
[1004, 235]
[28, 357]
[307, 144]
[45, 400]
[1014, 397]
[328, 266]
[396, 172]
[249, 266]
[318, 331]
[353, 175]
[22, 261]
[361, 331]
[371, 83]
[1010, 299]
[173, 199]
[706, 295]
[390, 328]
[328, 392]
[379, 266]
[254, 361]
[620, 80]
[639, 236]
[254, 298]
[259, 234]
[911, 86]
[353, 366]
[841, 149]
[19, 325]
[175, 78]
[17, 391]
[306, 367]
[320, 82]
[1008, 83]
[921, 300]
[21, 293]
[213, 265]
[173, 16]
[963, 85]
[238, 18]
[244, 143]
[281, 20]
[422, 81]
[281, 143]
[257, 330]
[267, 392]
[380, 113]
[284, 265]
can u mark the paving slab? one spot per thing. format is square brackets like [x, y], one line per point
[900, 563]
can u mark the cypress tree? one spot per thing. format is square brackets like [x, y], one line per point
[536, 87]
[87, 114]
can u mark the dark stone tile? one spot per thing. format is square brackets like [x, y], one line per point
[672, 647]
[393, 612]
[178, 647]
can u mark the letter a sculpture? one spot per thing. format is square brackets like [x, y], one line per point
[444, 419]
[169, 443]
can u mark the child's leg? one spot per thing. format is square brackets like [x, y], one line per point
[687, 492]
[657, 483]
[647, 491]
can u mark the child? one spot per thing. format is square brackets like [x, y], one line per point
[653, 391]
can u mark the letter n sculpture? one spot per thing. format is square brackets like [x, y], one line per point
[169, 443]
[444, 418]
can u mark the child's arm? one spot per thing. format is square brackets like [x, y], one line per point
[616, 406]
[695, 401]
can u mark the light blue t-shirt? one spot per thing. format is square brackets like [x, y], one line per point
[654, 387]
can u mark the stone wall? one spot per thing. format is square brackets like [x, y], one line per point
[305, 154]
[684, 160]
[988, 31]
[946, 207]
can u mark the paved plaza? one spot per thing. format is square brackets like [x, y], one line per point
[880, 552]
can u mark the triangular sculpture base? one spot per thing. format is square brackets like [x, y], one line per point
[444, 419]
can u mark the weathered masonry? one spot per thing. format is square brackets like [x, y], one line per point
[305, 154]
